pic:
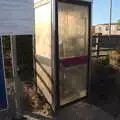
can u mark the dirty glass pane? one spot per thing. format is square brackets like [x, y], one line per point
[43, 50]
[73, 20]
[73, 43]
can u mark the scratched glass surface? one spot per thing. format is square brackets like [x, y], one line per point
[73, 42]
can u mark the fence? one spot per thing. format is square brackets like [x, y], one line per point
[103, 45]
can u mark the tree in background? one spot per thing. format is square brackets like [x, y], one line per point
[118, 24]
[118, 21]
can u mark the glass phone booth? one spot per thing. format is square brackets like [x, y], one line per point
[62, 50]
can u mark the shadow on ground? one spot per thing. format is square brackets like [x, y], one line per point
[105, 89]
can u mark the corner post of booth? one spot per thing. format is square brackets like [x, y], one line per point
[55, 53]
[89, 49]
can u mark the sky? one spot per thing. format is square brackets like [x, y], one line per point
[100, 11]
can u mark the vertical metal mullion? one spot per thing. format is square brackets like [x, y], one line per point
[55, 52]
[17, 83]
[34, 64]
[12, 54]
[89, 53]
[34, 51]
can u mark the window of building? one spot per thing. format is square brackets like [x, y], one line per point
[107, 28]
[99, 28]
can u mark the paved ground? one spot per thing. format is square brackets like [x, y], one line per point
[79, 111]
[83, 111]
[8, 114]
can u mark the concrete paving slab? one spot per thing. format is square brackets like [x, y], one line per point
[83, 111]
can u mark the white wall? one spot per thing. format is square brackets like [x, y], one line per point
[16, 17]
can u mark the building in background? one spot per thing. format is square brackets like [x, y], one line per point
[104, 29]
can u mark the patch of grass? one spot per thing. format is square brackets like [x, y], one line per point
[104, 61]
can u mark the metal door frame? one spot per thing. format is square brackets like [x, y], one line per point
[55, 49]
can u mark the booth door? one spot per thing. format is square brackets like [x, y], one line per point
[73, 51]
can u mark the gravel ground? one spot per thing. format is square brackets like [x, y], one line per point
[10, 112]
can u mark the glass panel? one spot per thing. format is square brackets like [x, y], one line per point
[43, 50]
[73, 83]
[73, 48]
[73, 20]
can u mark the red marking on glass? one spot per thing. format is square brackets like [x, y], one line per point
[74, 60]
